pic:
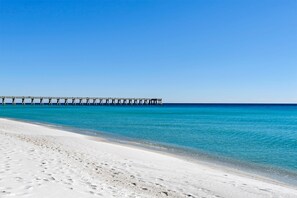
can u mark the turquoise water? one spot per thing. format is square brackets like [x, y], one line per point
[264, 135]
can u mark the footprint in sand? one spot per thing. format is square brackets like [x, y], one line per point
[28, 187]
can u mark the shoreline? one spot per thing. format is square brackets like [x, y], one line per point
[282, 176]
[147, 162]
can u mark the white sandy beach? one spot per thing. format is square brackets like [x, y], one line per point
[38, 161]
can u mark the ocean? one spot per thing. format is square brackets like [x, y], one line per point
[263, 137]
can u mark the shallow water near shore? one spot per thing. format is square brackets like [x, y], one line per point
[263, 136]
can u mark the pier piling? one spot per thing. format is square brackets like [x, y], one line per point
[3, 100]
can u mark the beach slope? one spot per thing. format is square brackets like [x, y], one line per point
[39, 161]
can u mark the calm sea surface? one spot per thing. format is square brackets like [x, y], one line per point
[260, 135]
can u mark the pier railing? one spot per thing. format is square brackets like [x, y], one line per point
[77, 100]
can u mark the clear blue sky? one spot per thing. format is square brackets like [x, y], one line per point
[182, 51]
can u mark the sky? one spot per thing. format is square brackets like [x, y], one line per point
[208, 51]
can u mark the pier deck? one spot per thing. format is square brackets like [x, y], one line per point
[30, 100]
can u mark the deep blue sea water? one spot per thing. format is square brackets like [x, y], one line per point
[260, 135]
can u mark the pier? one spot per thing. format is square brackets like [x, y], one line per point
[31, 100]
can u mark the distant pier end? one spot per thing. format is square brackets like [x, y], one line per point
[31, 100]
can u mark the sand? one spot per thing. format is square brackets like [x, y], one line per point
[38, 161]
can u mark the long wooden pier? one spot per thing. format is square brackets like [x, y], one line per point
[31, 100]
